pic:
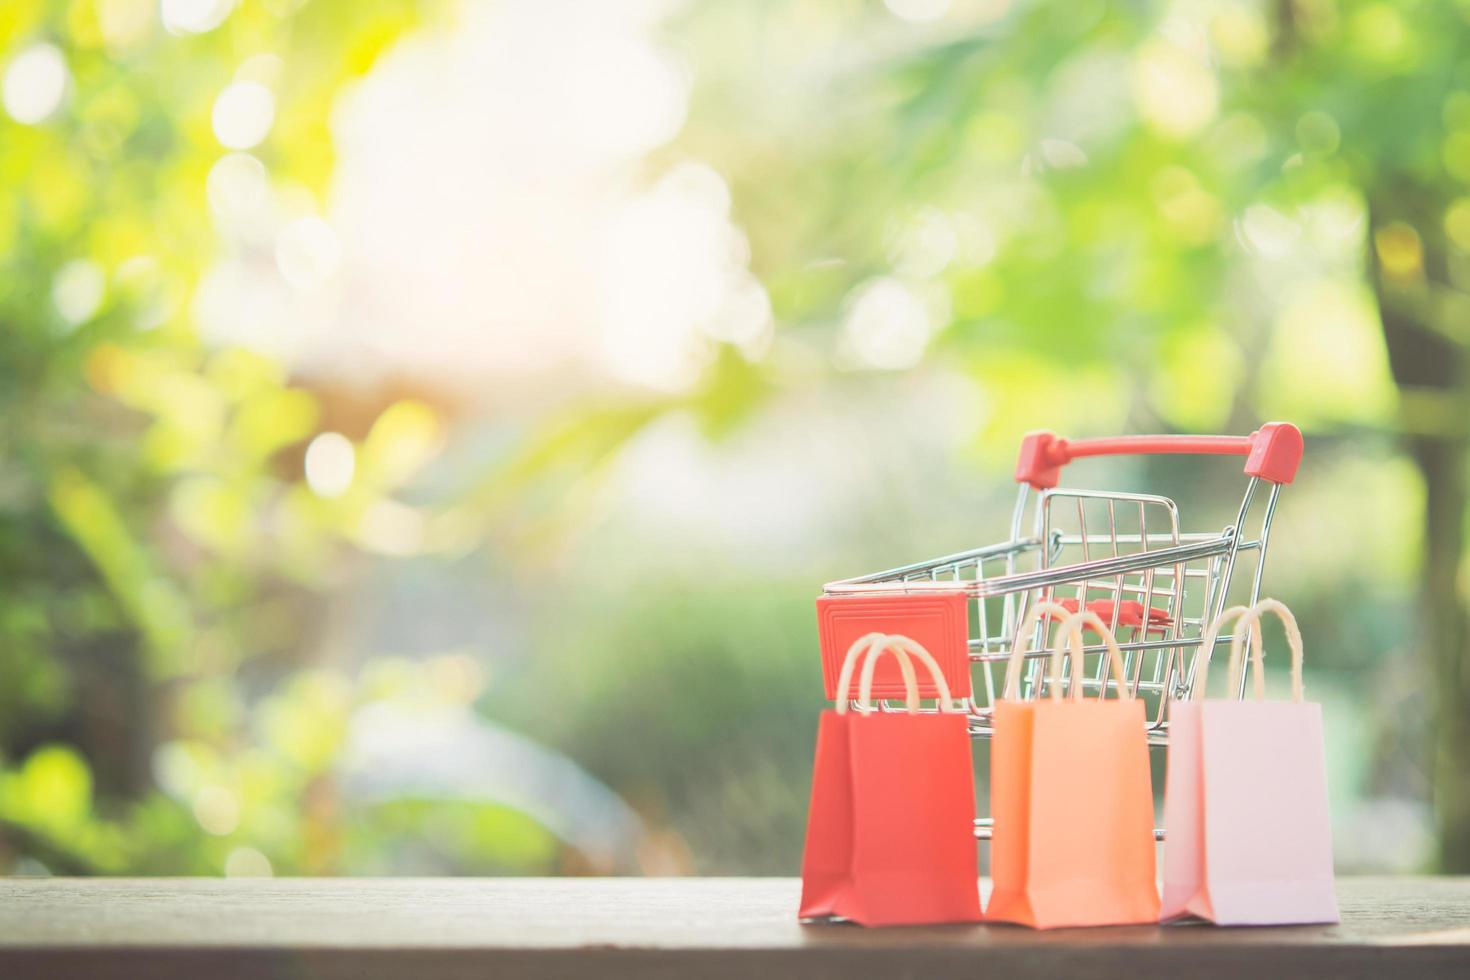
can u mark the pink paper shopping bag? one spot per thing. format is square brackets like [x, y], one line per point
[1248, 840]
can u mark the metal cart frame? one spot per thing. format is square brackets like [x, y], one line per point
[1123, 554]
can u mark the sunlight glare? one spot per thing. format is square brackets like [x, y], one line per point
[77, 290]
[243, 115]
[35, 84]
[330, 462]
[887, 325]
[674, 274]
[247, 862]
[1176, 92]
[238, 186]
[308, 251]
[194, 16]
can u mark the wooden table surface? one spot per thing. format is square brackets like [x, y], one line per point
[408, 929]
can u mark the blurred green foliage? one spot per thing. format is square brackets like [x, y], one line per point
[154, 531]
[1116, 217]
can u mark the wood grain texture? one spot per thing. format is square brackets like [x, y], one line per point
[461, 928]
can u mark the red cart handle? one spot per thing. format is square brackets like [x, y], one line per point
[1272, 452]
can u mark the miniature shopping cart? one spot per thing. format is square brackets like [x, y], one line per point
[1122, 555]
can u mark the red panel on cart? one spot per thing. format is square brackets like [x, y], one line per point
[938, 621]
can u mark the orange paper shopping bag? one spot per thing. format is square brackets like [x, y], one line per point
[890, 833]
[1245, 795]
[1073, 843]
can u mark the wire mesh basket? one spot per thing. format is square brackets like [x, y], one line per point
[1126, 556]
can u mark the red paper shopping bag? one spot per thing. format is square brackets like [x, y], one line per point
[1248, 840]
[1073, 843]
[890, 833]
[939, 621]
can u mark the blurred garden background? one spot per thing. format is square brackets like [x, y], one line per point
[424, 427]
